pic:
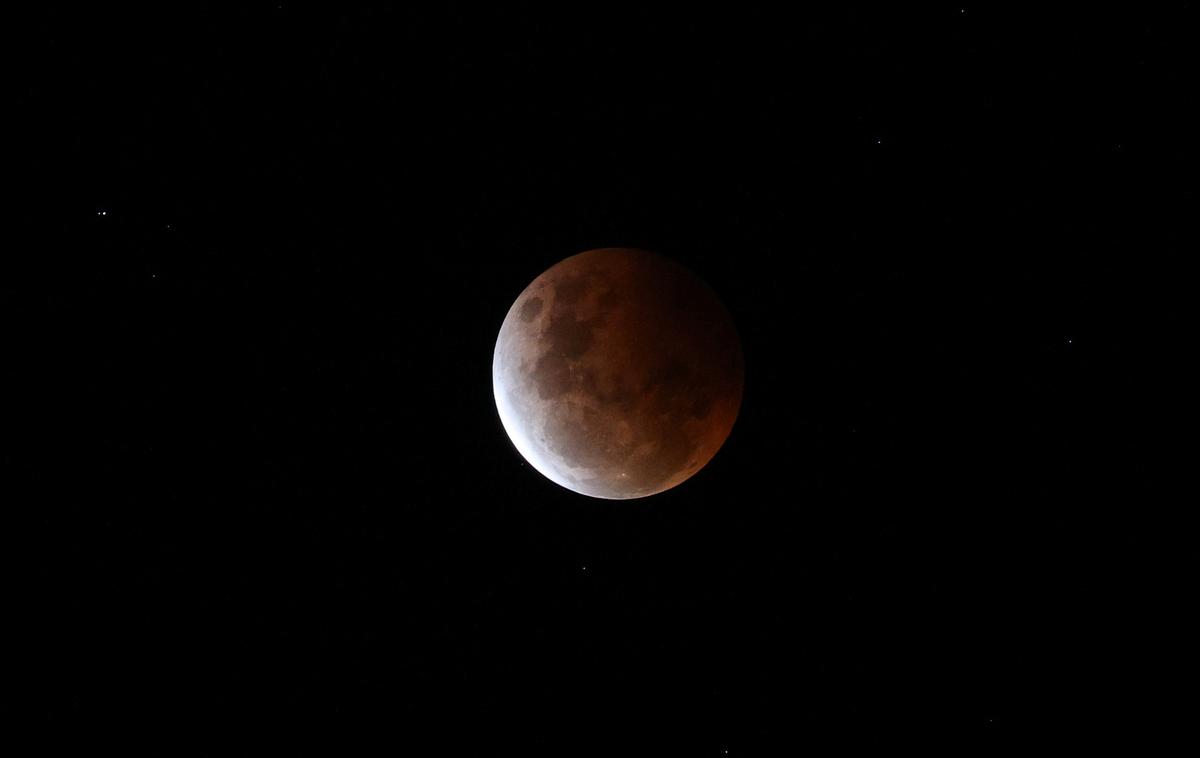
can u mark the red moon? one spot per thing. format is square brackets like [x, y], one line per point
[618, 373]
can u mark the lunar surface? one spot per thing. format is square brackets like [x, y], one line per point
[617, 373]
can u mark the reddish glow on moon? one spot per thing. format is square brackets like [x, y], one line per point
[618, 373]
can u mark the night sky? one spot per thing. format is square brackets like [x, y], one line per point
[270, 248]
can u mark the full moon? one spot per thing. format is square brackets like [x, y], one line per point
[617, 373]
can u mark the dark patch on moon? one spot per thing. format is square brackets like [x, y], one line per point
[551, 376]
[531, 309]
[570, 289]
[570, 336]
[620, 395]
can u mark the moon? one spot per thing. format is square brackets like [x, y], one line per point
[618, 373]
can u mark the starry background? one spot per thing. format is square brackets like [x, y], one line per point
[270, 249]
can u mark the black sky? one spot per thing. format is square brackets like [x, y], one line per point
[270, 249]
